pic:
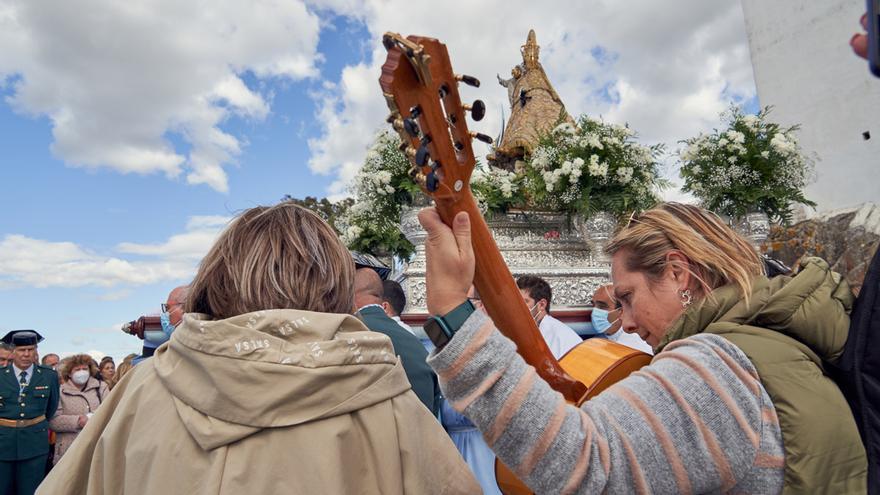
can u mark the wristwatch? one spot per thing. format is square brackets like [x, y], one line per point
[440, 329]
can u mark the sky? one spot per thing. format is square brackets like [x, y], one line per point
[131, 132]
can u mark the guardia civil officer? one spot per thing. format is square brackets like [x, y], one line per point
[28, 399]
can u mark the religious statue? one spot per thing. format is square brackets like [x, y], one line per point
[535, 108]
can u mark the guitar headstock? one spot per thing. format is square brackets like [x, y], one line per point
[421, 90]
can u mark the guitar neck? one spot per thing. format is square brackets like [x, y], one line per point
[503, 301]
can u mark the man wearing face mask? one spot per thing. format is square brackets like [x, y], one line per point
[536, 292]
[171, 316]
[605, 318]
[28, 399]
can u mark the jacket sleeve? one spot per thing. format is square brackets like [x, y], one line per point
[689, 422]
[64, 423]
[54, 396]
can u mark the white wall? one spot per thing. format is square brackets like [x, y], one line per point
[805, 68]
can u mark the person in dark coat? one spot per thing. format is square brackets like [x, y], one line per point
[368, 305]
[28, 399]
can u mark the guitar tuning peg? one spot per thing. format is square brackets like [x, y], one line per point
[481, 137]
[469, 80]
[415, 112]
[388, 41]
[411, 127]
[410, 152]
[417, 176]
[396, 122]
[477, 109]
[431, 181]
[422, 155]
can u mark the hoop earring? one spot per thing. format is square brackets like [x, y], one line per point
[686, 298]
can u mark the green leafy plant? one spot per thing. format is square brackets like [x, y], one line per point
[381, 189]
[750, 165]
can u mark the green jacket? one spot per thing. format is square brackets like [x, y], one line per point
[40, 398]
[412, 353]
[788, 327]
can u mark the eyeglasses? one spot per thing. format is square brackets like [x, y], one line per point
[167, 307]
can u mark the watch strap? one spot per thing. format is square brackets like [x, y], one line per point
[441, 329]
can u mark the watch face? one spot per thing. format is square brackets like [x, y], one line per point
[435, 332]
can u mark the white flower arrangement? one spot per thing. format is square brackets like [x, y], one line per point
[751, 165]
[380, 189]
[592, 166]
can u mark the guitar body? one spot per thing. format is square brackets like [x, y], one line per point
[599, 363]
[421, 91]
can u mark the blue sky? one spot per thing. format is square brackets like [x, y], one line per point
[250, 101]
[43, 198]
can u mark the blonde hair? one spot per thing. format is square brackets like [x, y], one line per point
[279, 257]
[124, 367]
[718, 256]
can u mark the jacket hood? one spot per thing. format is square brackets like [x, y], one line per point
[812, 307]
[231, 378]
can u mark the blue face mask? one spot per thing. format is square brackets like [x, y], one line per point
[160, 337]
[599, 319]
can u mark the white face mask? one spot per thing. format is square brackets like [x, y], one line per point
[80, 377]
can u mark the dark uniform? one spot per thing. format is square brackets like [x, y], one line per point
[24, 428]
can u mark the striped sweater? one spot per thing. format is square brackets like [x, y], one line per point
[696, 420]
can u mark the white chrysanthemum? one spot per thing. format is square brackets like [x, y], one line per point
[736, 136]
[723, 142]
[751, 121]
[765, 154]
[782, 145]
[565, 128]
[578, 163]
[731, 159]
[624, 174]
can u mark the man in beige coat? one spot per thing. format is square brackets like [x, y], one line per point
[247, 401]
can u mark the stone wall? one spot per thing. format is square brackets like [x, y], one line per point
[847, 239]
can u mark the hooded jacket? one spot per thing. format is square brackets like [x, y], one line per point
[279, 401]
[789, 327]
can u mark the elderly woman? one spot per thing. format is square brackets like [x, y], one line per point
[735, 400]
[268, 385]
[81, 394]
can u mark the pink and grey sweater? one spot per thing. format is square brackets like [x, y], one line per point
[696, 420]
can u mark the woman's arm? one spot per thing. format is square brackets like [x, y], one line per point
[692, 421]
[64, 423]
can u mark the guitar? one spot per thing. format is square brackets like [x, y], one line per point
[421, 91]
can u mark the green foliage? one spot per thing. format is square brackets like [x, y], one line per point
[381, 188]
[329, 211]
[750, 165]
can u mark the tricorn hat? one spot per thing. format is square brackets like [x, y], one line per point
[22, 337]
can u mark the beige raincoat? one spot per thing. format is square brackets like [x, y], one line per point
[279, 401]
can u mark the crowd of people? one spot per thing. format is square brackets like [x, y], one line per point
[284, 367]
[288, 368]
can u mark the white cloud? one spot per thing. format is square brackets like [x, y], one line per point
[671, 66]
[25, 261]
[116, 79]
[116, 295]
